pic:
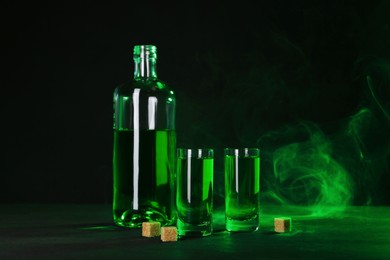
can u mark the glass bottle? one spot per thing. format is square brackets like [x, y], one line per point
[144, 145]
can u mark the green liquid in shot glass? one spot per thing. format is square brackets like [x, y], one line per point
[242, 187]
[194, 196]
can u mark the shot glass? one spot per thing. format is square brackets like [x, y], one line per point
[242, 189]
[194, 197]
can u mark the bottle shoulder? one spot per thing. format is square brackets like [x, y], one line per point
[147, 86]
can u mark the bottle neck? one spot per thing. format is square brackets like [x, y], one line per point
[145, 68]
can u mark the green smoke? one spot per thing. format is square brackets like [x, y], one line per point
[383, 107]
[307, 174]
[378, 82]
[355, 129]
[367, 137]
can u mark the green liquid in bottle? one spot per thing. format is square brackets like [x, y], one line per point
[143, 167]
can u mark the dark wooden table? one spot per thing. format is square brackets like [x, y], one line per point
[86, 232]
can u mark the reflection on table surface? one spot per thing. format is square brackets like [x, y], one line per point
[87, 231]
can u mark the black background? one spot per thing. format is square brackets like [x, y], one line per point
[240, 70]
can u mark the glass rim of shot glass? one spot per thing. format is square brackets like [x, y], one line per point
[195, 152]
[242, 152]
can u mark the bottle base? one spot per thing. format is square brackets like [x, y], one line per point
[134, 219]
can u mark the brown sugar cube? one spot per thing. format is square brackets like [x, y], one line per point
[151, 229]
[168, 234]
[282, 225]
